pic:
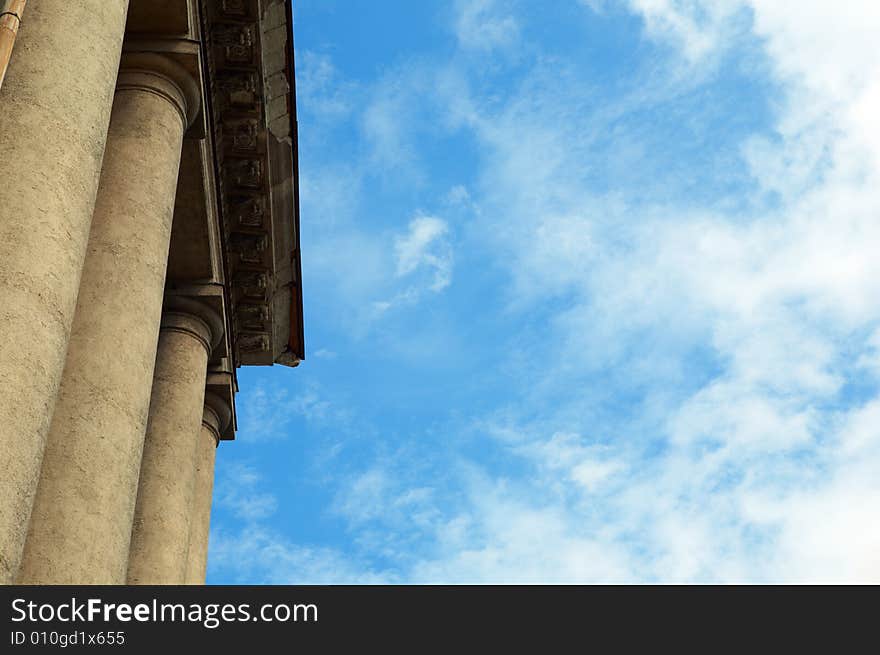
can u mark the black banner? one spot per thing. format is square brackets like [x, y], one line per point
[413, 618]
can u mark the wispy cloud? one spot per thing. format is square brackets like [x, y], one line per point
[484, 25]
[238, 491]
[425, 245]
[268, 413]
[263, 556]
[698, 28]
[697, 265]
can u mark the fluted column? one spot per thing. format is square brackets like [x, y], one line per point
[160, 534]
[81, 522]
[54, 111]
[215, 418]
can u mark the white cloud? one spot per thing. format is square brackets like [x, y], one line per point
[480, 25]
[758, 464]
[359, 268]
[514, 542]
[262, 556]
[698, 27]
[319, 88]
[237, 490]
[781, 297]
[267, 413]
[425, 245]
[387, 129]
[365, 498]
[457, 195]
[255, 552]
[569, 458]
[750, 473]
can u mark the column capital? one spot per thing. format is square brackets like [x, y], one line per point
[193, 317]
[153, 73]
[216, 415]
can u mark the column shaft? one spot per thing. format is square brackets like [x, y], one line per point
[160, 534]
[215, 418]
[81, 521]
[200, 525]
[54, 112]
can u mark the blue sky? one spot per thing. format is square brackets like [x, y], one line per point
[592, 294]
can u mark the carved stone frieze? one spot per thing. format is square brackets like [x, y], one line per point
[252, 343]
[248, 246]
[251, 285]
[245, 173]
[251, 316]
[247, 212]
[238, 91]
[237, 43]
[237, 8]
[248, 46]
[242, 134]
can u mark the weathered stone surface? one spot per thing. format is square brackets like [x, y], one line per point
[161, 530]
[80, 309]
[54, 112]
[249, 56]
[215, 419]
[81, 522]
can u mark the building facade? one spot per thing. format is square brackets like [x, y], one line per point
[149, 246]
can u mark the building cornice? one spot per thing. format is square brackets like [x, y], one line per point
[251, 114]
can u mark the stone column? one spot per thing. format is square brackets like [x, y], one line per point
[160, 534]
[54, 111]
[215, 418]
[81, 521]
